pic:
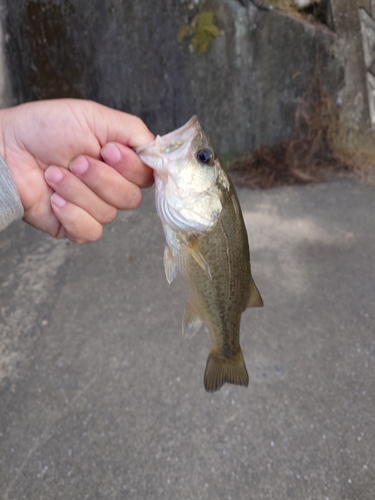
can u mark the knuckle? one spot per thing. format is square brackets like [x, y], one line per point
[109, 215]
[98, 178]
[148, 182]
[138, 122]
[83, 230]
[133, 200]
[95, 234]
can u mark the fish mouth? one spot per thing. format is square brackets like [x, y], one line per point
[175, 139]
[174, 144]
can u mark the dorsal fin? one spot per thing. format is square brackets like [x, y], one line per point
[255, 299]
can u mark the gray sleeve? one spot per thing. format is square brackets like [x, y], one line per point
[10, 202]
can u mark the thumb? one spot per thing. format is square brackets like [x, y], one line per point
[111, 125]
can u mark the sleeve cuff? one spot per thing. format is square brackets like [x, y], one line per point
[10, 202]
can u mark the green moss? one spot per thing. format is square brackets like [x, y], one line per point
[202, 31]
[183, 32]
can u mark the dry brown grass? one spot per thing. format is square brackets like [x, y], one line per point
[357, 149]
[320, 147]
[284, 4]
[313, 13]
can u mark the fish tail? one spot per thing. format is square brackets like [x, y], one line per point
[220, 370]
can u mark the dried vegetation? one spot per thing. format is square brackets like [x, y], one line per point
[313, 11]
[320, 147]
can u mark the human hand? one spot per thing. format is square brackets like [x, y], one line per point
[73, 165]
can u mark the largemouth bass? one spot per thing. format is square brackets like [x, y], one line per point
[206, 242]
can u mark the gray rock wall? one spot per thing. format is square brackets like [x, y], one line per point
[367, 21]
[349, 49]
[5, 88]
[124, 53]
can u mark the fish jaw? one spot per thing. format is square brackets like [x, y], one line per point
[187, 196]
[165, 150]
[173, 157]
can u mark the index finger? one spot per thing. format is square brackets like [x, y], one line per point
[128, 164]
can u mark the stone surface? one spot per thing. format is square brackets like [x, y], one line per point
[102, 397]
[366, 16]
[245, 87]
[5, 88]
[350, 49]
[368, 37]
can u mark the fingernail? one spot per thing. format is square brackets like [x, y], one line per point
[111, 153]
[53, 174]
[79, 165]
[57, 200]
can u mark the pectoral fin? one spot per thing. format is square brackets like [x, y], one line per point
[199, 258]
[190, 321]
[255, 299]
[169, 265]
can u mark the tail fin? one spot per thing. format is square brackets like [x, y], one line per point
[220, 370]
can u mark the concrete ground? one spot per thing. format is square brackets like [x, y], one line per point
[102, 398]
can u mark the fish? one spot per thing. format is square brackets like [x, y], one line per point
[206, 243]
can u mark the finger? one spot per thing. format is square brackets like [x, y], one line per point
[128, 164]
[72, 189]
[106, 182]
[79, 226]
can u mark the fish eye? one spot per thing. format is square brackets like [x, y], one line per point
[206, 156]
